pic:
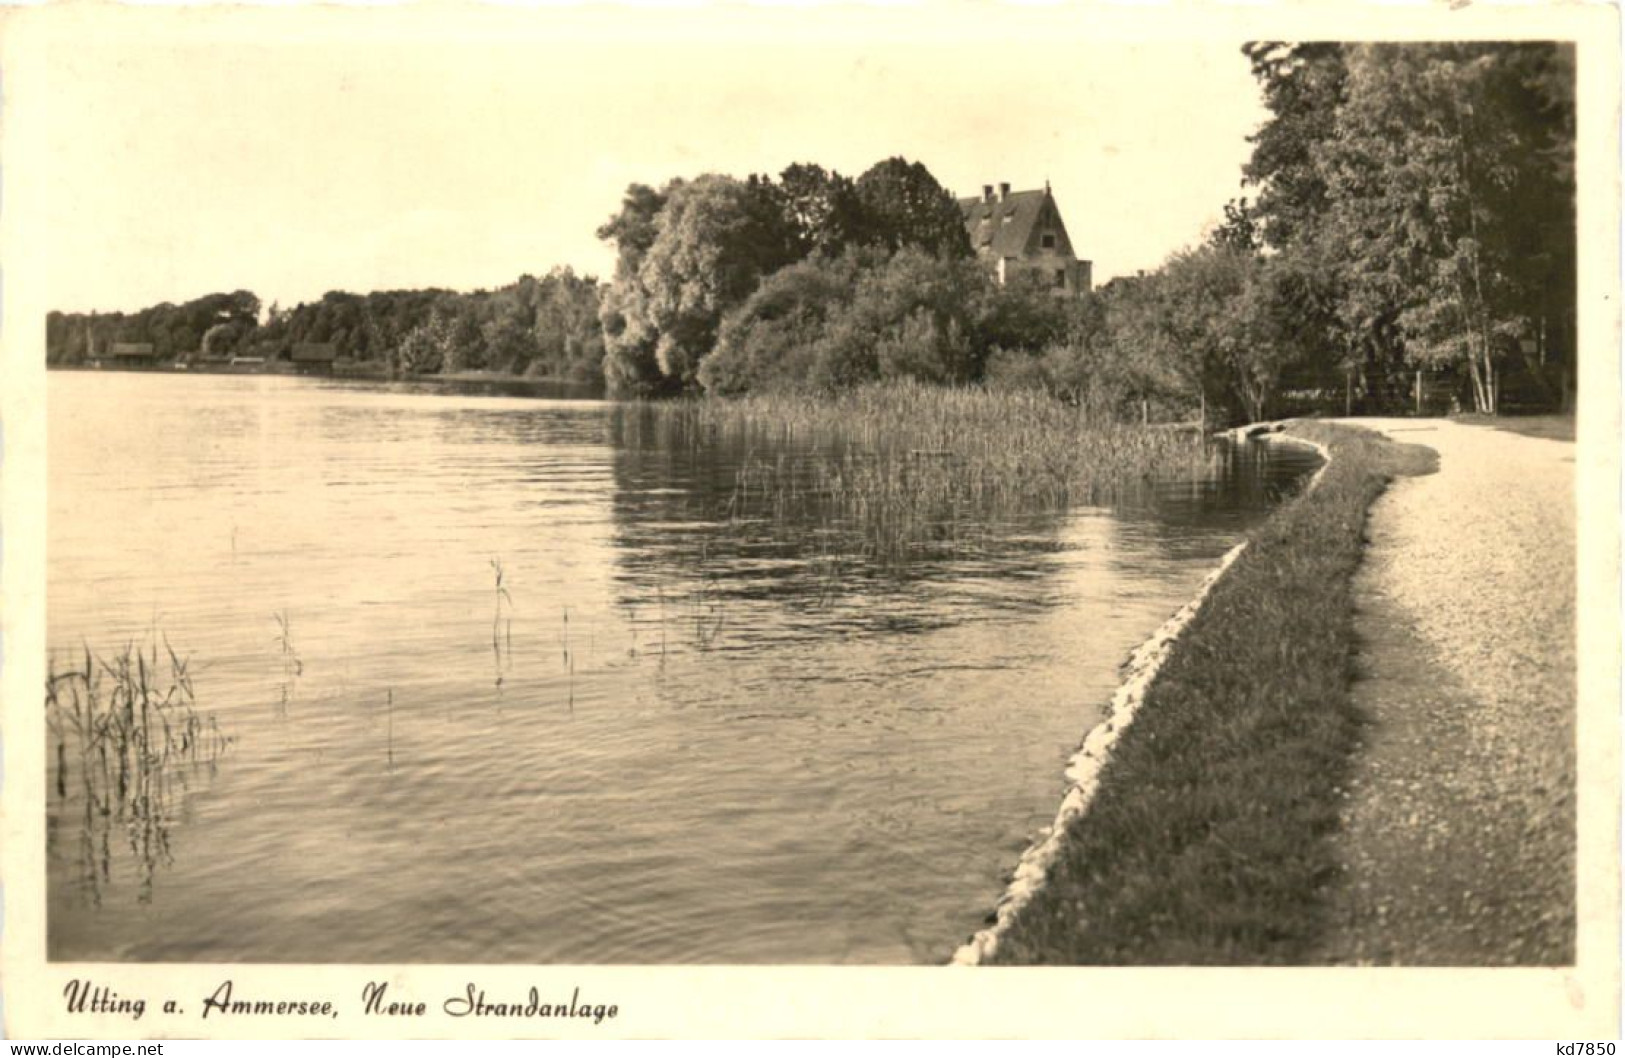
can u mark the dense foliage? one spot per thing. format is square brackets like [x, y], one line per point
[174, 331]
[541, 327]
[690, 256]
[1412, 208]
[1419, 203]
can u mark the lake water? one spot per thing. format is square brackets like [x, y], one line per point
[670, 740]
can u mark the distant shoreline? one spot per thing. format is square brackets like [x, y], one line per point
[366, 371]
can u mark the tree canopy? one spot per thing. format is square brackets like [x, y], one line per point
[1428, 191]
[1407, 205]
[903, 205]
[547, 327]
[692, 253]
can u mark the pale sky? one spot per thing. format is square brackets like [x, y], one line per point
[387, 149]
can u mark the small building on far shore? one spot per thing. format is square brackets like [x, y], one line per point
[1021, 232]
[314, 358]
[132, 354]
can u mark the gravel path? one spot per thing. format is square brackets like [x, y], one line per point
[1458, 835]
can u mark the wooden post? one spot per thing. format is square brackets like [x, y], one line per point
[1203, 425]
[1348, 391]
[1419, 392]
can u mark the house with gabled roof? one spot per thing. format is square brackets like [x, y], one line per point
[314, 357]
[1022, 232]
[133, 354]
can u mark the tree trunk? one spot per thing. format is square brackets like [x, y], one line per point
[1474, 375]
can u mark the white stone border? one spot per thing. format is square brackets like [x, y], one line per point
[1083, 770]
[1325, 455]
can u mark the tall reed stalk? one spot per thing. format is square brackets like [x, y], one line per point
[125, 734]
[501, 596]
[501, 623]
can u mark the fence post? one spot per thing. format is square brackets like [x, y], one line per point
[1418, 392]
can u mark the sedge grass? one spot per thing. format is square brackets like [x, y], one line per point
[124, 718]
[907, 467]
[126, 733]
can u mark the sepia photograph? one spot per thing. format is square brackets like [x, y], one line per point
[503, 497]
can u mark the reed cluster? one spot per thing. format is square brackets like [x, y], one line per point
[125, 731]
[907, 466]
[125, 718]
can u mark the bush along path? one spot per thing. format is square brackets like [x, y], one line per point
[1458, 834]
[1208, 839]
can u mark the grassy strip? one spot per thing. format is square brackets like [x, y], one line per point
[1206, 843]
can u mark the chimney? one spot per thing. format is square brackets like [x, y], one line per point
[1004, 192]
[987, 192]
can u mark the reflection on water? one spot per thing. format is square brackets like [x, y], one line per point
[530, 680]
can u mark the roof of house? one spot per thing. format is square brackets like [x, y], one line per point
[1009, 228]
[131, 349]
[314, 352]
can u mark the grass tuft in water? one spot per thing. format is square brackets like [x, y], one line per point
[284, 639]
[292, 665]
[501, 596]
[501, 624]
[126, 733]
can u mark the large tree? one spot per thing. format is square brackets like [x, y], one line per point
[1421, 197]
[903, 205]
[829, 323]
[1303, 86]
[1442, 195]
[630, 365]
[822, 208]
[780, 337]
[714, 238]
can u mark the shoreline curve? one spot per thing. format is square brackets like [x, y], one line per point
[1083, 768]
